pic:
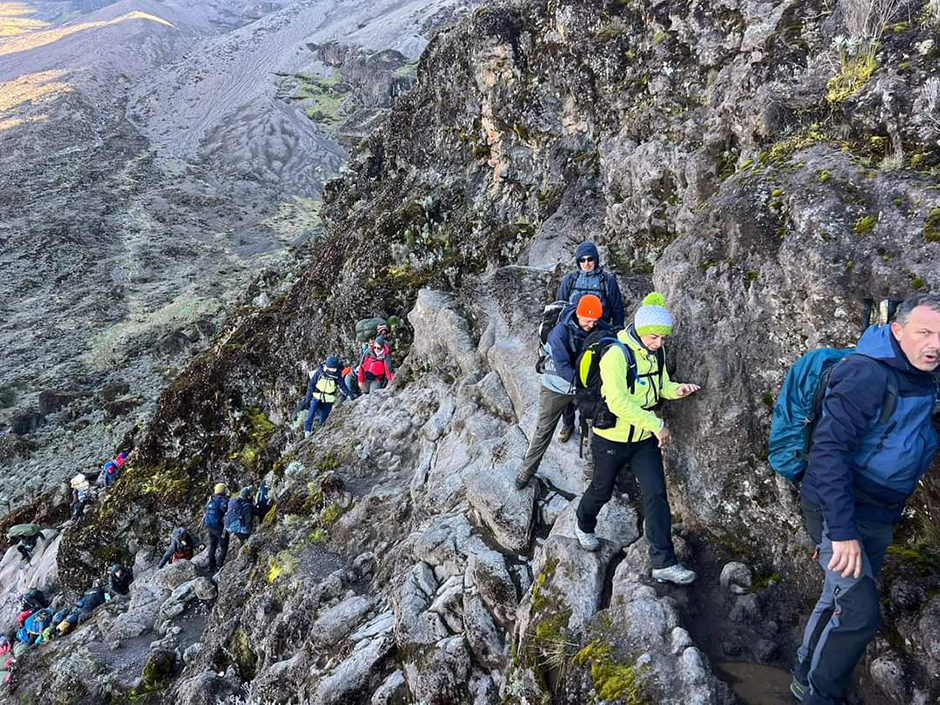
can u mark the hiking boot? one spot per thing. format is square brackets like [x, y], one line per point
[307, 434]
[564, 435]
[522, 480]
[588, 541]
[678, 574]
[798, 689]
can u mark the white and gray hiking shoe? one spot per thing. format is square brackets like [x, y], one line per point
[588, 541]
[678, 574]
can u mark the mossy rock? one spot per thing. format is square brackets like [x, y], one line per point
[932, 226]
[243, 656]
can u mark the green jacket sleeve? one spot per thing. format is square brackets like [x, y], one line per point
[615, 390]
[670, 389]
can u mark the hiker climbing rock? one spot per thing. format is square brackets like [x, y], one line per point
[120, 579]
[112, 469]
[215, 526]
[240, 514]
[375, 369]
[182, 547]
[81, 495]
[590, 278]
[32, 600]
[321, 393]
[628, 436]
[83, 609]
[562, 349]
[861, 470]
[27, 536]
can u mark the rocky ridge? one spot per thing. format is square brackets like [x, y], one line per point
[712, 148]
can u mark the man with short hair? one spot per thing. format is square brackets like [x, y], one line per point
[628, 444]
[589, 278]
[214, 521]
[859, 475]
[563, 347]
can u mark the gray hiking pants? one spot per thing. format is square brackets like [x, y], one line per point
[845, 618]
[551, 406]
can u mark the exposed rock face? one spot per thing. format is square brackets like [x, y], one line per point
[683, 139]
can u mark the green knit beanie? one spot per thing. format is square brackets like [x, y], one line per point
[652, 318]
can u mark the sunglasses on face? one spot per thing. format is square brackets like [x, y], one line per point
[585, 259]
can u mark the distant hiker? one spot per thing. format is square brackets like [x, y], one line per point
[33, 599]
[262, 501]
[321, 393]
[81, 495]
[27, 535]
[120, 579]
[375, 369]
[590, 278]
[83, 609]
[239, 518]
[112, 469]
[214, 521]
[633, 380]
[860, 472]
[368, 329]
[564, 343]
[36, 623]
[182, 547]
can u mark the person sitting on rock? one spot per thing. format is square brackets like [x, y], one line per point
[375, 369]
[112, 469]
[633, 380]
[214, 521]
[182, 547]
[239, 518]
[81, 495]
[120, 579]
[563, 347]
[321, 393]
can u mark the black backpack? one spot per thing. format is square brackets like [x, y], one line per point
[587, 389]
[550, 315]
[215, 512]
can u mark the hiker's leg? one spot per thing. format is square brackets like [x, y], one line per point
[311, 413]
[213, 545]
[567, 417]
[822, 611]
[325, 408]
[223, 548]
[854, 618]
[609, 457]
[551, 406]
[647, 465]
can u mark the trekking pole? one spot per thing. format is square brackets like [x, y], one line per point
[867, 306]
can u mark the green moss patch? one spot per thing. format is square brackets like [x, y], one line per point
[612, 679]
[853, 75]
[932, 226]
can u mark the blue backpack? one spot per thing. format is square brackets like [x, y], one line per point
[799, 406]
[235, 521]
[215, 511]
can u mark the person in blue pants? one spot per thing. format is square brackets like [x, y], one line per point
[321, 393]
[861, 471]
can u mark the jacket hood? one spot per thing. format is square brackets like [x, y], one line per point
[587, 249]
[877, 342]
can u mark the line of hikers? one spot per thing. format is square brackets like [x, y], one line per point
[374, 371]
[223, 518]
[853, 426]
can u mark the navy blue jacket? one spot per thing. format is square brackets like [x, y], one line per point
[602, 284]
[564, 344]
[312, 385]
[858, 469]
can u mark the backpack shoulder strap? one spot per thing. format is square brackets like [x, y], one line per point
[889, 402]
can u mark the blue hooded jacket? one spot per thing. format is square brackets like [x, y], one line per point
[576, 284]
[859, 469]
[564, 344]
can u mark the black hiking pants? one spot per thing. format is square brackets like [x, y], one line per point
[218, 538]
[634, 462]
[845, 618]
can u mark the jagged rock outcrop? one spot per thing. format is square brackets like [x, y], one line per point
[696, 144]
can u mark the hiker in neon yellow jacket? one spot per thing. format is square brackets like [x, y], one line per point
[633, 379]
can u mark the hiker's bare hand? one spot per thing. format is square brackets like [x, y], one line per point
[685, 390]
[846, 558]
[664, 436]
